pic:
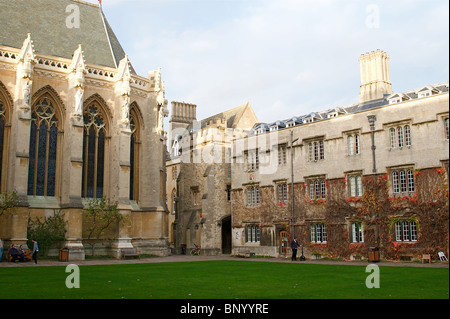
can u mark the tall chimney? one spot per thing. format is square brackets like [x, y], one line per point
[183, 115]
[375, 79]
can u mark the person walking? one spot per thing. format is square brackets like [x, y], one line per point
[294, 246]
[35, 250]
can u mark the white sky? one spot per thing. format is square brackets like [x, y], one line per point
[286, 57]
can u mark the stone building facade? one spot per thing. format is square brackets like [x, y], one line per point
[78, 123]
[199, 176]
[372, 174]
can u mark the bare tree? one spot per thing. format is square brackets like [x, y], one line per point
[101, 216]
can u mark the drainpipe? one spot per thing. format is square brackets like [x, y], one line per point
[372, 119]
[292, 183]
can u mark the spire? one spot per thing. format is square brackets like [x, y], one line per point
[78, 59]
[78, 68]
[124, 68]
[27, 58]
[27, 51]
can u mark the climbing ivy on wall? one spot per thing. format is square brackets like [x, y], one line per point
[378, 210]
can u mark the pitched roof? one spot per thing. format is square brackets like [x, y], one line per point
[53, 32]
[232, 116]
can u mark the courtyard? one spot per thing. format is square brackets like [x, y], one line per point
[224, 277]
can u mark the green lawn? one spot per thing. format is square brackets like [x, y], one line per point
[224, 280]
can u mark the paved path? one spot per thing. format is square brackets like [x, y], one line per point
[187, 258]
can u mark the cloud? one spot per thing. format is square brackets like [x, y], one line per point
[286, 57]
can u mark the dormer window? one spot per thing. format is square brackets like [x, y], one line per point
[293, 122]
[334, 114]
[261, 129]
[276, 126]
[427, 91]
[398, 98]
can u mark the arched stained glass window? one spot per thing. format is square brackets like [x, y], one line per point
[43, 148]
[134, 156]
[93, 152]
[2, 136]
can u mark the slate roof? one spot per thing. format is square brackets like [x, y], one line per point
[353, 108]
[46, 21]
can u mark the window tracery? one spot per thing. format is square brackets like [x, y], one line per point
[43, 148]
[94, 136]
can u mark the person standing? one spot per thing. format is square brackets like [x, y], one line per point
[35, 250]
[294, 246]
[1, 249]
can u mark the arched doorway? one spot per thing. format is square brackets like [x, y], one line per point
[226, 235]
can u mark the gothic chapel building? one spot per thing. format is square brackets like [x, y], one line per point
[76, 123]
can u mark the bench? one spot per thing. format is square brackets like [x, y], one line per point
[129, 252]
[27, 254]
[246, 253]
[426, 257]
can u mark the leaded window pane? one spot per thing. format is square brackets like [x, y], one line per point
[52, 161]
[350, 145]
[322, 150]
[411, 185]
[358, 186]
[400, 137]
[447, 128]
[357, 145]
[413, 231]
[32, 155]
[407, 135]
[392, 134]
[403, 181]
[316, 151]
[2, 135]
[317, 187]
[313, 233]
[91, 162]
[43, 149]
[395, 184]
[323, 189]
[352, 186]
[100, 163]
[93, 153]
[132, 167]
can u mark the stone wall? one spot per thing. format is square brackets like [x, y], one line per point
[427, 153]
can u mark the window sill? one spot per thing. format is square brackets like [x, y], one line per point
[43, 202]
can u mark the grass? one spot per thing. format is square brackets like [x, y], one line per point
[224, 280]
